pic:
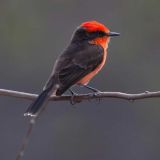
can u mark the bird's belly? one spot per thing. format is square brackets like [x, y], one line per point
[89, 76]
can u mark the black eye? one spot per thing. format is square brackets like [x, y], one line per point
[101, 33]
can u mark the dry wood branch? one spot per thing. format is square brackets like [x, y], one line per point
[80, 97]
[77, 98]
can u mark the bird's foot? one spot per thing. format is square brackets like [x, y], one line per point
[73, 94]
[95, 94]
[94, 90]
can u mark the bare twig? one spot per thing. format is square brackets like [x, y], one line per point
[24, 144]
[80, 97]
[26, 138]
[77, 98]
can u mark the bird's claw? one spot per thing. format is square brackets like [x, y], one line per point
[72, 100]
[95, 94]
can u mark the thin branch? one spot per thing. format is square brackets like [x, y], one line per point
[77, 98]
[26, 138]
[25, 141]
[80, 97]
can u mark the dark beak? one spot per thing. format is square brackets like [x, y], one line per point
[113, 34]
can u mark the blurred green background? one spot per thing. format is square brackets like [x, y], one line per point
[33, 33]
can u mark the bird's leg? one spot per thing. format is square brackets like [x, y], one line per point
[72, 101]
[96, 91]
[91, 88]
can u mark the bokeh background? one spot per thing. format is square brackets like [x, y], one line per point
[33, 33]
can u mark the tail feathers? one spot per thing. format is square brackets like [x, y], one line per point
[35, 107]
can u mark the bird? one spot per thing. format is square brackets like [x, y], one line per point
[82, 59]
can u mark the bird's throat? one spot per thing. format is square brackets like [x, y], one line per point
[103, 42]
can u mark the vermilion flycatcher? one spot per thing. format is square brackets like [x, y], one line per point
[78, 64]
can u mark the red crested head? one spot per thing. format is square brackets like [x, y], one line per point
[93, 26]
[92, 30]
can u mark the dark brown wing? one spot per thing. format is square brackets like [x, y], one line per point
[75, 63]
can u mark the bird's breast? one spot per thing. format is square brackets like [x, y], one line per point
[89, 76]
[103, 42]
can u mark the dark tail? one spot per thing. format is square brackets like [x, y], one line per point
[36, 106]
[50, 88]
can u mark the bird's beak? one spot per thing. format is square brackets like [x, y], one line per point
[113, 34]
